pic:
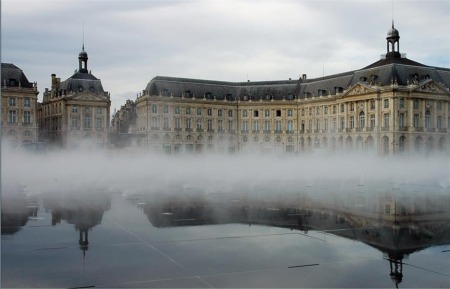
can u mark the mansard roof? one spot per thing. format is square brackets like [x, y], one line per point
[199, 88]
[80, 82]
[13, 75]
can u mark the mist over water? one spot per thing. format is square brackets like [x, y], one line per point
[137, 172]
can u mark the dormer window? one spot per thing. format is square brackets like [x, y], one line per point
[267, 97]
[290, 97]
[339, 89]
[187, 93]
[208, 95]
[363, 78]
[80, 88]
[245, 97]
[12, 82]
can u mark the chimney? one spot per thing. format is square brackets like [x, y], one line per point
[304, 76]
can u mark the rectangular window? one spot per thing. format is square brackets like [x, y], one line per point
[439, 121]
[245, 126]
[317, 110]
[401, 120]
[415, 104]
[325, 124]
[439, 105]
[325, 110]
[177, 123]
[333, 124]
[219, 112]
[352, 106]
[266, 113]
[177, 110]
[255, 113]
[386, 120]
[401, 103]
[220, 125]
[416, 120]
[372, 120]
[278, 126]
[199, 123]
[199, 111]
[230, 125]
[303, 112]
[278, 112]
[12, 116]
[154, 109]
[372, 104]
[352, 121]
[188, 123]
[166, 124]
[209, 112]
[290, 126]
[98, 110]
[74, 109]
[427, 119]
[74, 122]
[12, 101]
[188, 110]
[289, 112]
[386, 103]
[342, 107]
[244, 113]
[209, 124]
[166, 109]
[230, 113]
[334, 109]
[99, 122]
[87, 122]
[317, 124]
[342, 122]
[267, 125]
[256, 126]
[155, 122]
[27, 117]
[26, 102]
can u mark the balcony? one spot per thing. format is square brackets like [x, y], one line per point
[290, 132]
[244, 131]
[177, 129]
[278, 131]
[369, 128]
[255, 131]
[199, 130]
[431, 130]
[418, 129]
[443, 130]
[385, 128]
[266, 131]
[403, 128]
[210, 130]
[155, 128]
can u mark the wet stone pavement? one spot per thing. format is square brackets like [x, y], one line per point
[198, 240]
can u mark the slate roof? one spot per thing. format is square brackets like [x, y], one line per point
[85, 80]
[13, 75]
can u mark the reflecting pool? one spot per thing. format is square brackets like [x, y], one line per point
[186, 237]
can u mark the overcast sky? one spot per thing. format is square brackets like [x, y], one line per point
[130, 42]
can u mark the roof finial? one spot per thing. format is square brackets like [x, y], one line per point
[83, 37]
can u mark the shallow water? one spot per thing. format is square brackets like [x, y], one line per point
[186, 237]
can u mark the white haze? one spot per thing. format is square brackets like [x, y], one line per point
[130, 172]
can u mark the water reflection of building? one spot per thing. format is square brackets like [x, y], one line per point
[84, 211]
[390, 106]
[397, 227]
[17, 209]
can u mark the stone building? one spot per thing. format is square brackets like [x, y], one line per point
[19, 102]
[123, 126]
[76, 111]
[391, 106]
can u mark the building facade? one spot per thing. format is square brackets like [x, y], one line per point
[19, 103]
[391, 106]
[75, 112]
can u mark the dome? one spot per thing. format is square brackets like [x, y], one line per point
[393, 33]
[83, 54]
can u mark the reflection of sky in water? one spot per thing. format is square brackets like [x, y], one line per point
[126, 250]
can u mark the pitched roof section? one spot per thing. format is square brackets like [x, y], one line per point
[12, 76]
